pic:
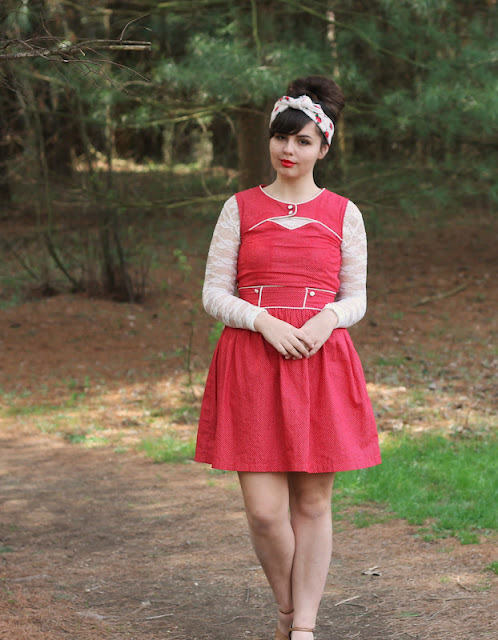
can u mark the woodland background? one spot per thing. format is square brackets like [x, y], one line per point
[104, 136]
[123, 128]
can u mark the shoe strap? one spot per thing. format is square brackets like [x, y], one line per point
[301, 629]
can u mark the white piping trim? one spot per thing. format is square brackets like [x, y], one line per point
[287, 286]
[331, 230]
[294, 203]
[280, 307]
[275, 218]
[255, 286]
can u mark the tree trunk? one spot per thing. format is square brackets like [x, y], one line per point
[252, 147]
[5, 192]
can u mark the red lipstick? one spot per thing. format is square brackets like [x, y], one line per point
[287, 163]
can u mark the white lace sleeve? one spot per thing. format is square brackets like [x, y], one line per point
[351, 301]
[221, 273]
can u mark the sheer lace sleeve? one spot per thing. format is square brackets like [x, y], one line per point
[221, 273]
[351, 301]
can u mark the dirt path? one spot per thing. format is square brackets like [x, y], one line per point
[97, 545]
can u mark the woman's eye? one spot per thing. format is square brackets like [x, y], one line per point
[279, 136]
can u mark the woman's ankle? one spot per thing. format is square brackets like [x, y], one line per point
[285, 617]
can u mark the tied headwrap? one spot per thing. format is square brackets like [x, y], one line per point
[310, 108]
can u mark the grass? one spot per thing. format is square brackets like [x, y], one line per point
[448, 486]
[168, 449]
[42, 409]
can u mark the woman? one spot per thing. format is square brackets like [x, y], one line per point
[285, 402]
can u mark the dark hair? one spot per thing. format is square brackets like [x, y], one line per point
[321, 90]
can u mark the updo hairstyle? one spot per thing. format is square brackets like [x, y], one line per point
[321, 90]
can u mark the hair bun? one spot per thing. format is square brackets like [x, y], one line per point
[321, 90]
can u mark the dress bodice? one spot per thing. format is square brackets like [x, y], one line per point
[306, 254]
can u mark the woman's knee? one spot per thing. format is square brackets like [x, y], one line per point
[311, 501]
[311, 507]
[266, 521]
[266, 500]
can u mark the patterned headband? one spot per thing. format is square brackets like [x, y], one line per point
[310, 108]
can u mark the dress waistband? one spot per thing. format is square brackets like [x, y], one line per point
[276, 296]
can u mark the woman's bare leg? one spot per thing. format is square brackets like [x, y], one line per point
[311, 518]
[266, 500]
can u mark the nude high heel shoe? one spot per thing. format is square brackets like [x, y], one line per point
[278, 634]
[300, 629]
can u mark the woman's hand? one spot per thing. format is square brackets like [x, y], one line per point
[288, 340]
[319, 328]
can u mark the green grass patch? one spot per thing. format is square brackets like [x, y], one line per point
[450, 485]
[168, 449]
[15, 411]
[30, 410]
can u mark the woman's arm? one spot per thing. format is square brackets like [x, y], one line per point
[351, 301]
[221, 273]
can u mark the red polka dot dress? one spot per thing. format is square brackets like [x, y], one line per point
[261, 412]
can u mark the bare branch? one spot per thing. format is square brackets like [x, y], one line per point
[145, 15]
[69, 52]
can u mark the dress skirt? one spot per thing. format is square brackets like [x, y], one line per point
[261, 412]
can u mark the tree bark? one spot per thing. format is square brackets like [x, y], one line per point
[5, 191]
[252, 148]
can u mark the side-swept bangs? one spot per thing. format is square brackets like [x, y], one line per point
[289, 122]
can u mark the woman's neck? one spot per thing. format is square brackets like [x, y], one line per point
[292, 191]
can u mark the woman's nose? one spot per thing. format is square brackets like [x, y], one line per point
[289, 146]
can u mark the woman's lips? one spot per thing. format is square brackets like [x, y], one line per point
[287, 163]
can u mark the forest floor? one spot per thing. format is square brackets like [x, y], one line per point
[99, 542]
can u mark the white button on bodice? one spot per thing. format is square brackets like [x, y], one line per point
[312, 293]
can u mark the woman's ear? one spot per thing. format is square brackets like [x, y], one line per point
[324, 149]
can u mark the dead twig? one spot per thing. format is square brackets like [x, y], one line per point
[462, 586]
[145, 15]
[231, 620]
[442, 294]
[372, 571]
[40, 576]
[69, 52]
[347, 600]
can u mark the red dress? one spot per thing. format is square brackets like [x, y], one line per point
[261, 412]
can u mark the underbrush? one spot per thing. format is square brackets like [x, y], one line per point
[83, 236]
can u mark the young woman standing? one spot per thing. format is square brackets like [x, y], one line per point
[285, 403]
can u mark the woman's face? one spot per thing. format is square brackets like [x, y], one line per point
[294, 155]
